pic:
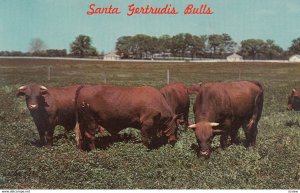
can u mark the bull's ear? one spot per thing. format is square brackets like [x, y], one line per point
[43, 90]
[21, 91]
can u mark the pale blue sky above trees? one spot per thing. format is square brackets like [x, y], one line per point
[58, 22]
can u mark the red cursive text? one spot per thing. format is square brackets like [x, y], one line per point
[203, 10]
[102, 10]
[167, 9]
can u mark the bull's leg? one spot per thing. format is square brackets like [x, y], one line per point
[250, 133]
[42, 136]
[146, 134]
[49, 136]
[234, 132]
[150, 122]
[234, 137]
[90, 139]
[186, 118]
[89, 134]
[223, 140]
[227, 124]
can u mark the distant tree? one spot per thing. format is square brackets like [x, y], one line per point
[37, 45]
[14, 53]
[214, 43]
[220, 44]
[252, 48]
[138, 46]
[164, 44]
[56, 53]
[229, 46]
[260, 49]
[184, 44]
[273, 51]
[123, 46]
[82, 47]
[178, 45]
[295, 47]
[197, 48]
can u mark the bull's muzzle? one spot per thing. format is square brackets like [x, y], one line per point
[205, 154]
[172, 139]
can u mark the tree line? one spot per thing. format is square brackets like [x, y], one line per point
[186, 45]
[179, 46]
[80, 47]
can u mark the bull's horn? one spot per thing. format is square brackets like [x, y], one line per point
[294, 90]
[214, 124]
[22, 87]
[43, 88]
[192, 126]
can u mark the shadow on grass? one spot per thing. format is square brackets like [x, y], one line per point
[104, 142]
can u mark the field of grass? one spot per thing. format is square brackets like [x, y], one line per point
[273, 164]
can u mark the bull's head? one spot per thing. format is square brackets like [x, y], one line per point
[194, 88]
[172, 128]
[34, 95]
[294, 100]
[205, 131]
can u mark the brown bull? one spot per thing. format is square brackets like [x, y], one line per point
[222, 108]
[294, 100]
[50, 107]
[176, 95]
[116, 108]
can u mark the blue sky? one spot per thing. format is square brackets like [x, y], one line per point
[58, 22]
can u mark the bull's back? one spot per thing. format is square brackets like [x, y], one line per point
[235, 98]
[121, 98]
[176, 95]
[64, 97]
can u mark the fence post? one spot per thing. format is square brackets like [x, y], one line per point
[104, 77]
[49, 73]
[168, 76]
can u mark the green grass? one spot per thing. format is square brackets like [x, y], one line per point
[273, 164]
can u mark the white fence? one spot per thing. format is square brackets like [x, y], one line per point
[146, 61]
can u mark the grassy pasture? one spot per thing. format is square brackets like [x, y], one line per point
[273, 164]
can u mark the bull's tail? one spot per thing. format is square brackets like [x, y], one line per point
[258, 106]
[258, 84]
[76, 128]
